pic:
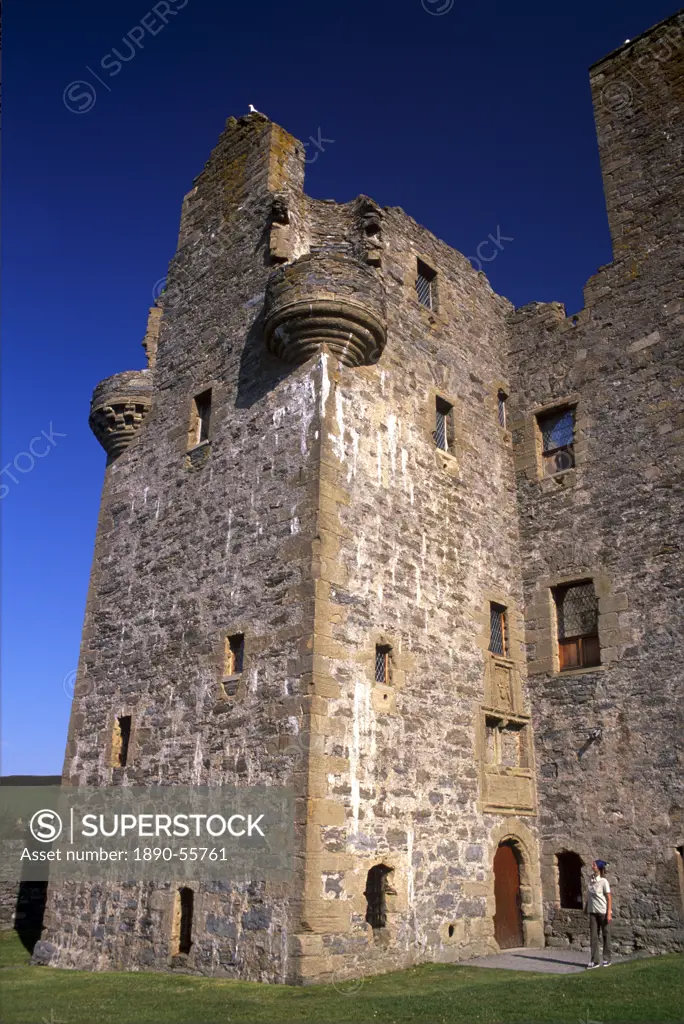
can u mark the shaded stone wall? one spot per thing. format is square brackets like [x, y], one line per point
[616, 518]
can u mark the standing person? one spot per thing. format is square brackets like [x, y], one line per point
[599, 906]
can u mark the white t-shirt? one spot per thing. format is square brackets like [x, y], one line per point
[598, 892]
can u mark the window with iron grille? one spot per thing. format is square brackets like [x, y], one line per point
[557, 430]
[577, 619]
[502, 398]
[498, 629]
[426, 285]
[234, 654]
[444, 424]
[383, 664]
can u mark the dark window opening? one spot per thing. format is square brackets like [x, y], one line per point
[377, 889]
[121, 743]
[234, 654]
[451, 931]
[202, 417]
[426, 285]
[558, 440]
[186, 899]
[570, 880]
[444, 424]
[383, 666]
[577, 619]
[498, 629]
[502, 398]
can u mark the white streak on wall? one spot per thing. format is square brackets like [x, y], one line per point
[230, 522]
[325, 383]
[379, 458]
[392, 440]
[338, 446]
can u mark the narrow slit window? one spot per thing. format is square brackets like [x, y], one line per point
[502, 398]
[201, 418]
[557, 430]
[570, 880]
[121, 741]
[234, 654]
[186, 899]
[426, 285]
[383, 664]
[498, 629]
[444, 424]
[577, 621]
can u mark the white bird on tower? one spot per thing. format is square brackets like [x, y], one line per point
[253, 109]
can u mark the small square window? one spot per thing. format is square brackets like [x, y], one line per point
[200, 419]
[444, 424]
[577, 624]
[234, 655]
[426, 285]
[557, 430]
[383, 664]
[502, 398]
[498, 629]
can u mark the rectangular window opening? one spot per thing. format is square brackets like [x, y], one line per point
[426, 285]
[557, 429]
[184, 911]
[234, 654]
[502, 398]
[383, 664]
[577, 625]
[498, 629]
[121, 741]
[444, 424]
[201, 418]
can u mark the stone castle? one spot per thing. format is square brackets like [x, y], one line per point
[370, 532]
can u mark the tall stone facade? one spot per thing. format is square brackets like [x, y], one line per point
[340, 456]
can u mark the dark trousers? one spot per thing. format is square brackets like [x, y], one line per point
[599, 924]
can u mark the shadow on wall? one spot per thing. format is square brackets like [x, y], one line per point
[29, 912]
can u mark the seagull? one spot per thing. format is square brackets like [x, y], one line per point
[253, 109]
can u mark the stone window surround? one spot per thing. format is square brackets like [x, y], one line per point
[515, 657]
[513, 709]
[238, 679]
[171, 918]
[191, 416]
[544, 636]
[449, 459]
[553, 872]
[383, 696]
[419, 258]
[111, 746]
[529, 458]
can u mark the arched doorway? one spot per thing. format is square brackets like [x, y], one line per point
[508, 929]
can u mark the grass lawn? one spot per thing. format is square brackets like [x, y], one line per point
[643, 990]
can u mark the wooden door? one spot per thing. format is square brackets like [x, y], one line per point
[508, 918]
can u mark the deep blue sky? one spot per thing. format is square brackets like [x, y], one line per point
[476, 118]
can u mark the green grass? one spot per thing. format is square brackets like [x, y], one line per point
[643, 990]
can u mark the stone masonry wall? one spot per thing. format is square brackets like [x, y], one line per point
[615, 519]
[320, 519]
